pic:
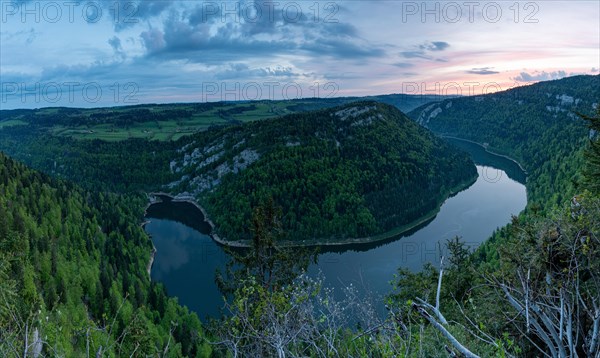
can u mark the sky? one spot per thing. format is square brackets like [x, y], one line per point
[118, 52]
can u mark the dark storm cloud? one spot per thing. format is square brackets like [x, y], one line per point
[482, 71]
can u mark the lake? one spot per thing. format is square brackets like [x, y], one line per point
[187, 257]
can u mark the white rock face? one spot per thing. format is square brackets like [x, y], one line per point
[206, 155]
[213, 158]
[352, 112]
[173, 166]
[423, 119]
[178, 182]
[185, 147]
[200, 158]
[565, 100]
[367, 121]
[435, 113]
[554, 109]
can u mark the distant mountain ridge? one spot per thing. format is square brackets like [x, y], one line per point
[173, 121]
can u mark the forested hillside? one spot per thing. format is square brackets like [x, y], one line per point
[73, 262]
[531, 291]
[129, 148]
[73, 279]
[532, 288]
[167, 122]
[537, 125]
[353, 171]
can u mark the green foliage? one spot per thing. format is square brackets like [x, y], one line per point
[468, 304]
[73, 269]
[126, 166]
[265, 263]
[553, 244]
[72, 262]
[557, 257]
[165, 122]
[537, 125]
[335, 178]
[355, 171]
[592, 154]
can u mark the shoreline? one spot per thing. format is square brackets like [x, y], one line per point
[320, 242]
[153, 251]
[151, 262]
[192, 200]
[487, 150]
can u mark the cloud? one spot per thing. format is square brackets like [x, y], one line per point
[154, 40]
[29, 35]
[594, 70]
[201, 36]
[81, 72]
[128, 13]
[10, 77]
[424, 51]
[540, 76]
[115, 43]
[403, 64]
[415, 54]
[435, 46]
[482, 71]
[241, 70]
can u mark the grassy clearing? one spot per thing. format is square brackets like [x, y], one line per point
[172, 129]
[12, 122]
[152, 121]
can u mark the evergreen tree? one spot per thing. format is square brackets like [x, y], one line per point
[592, 167]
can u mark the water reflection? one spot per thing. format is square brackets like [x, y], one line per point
[187, 257]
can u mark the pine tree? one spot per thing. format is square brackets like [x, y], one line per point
[592, 169]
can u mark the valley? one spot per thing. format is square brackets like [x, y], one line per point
[186, 251]
[162, 122]
[286, 179]
[377, 193]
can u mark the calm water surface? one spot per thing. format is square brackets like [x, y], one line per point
[187, 257]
